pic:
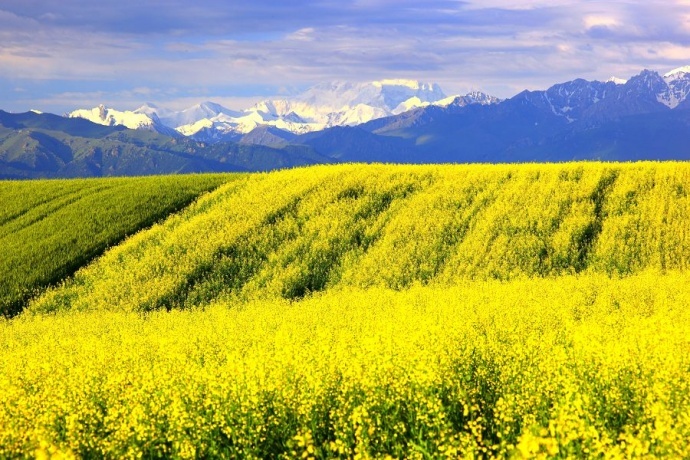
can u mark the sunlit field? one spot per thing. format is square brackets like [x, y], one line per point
[49, 228]
[373, 311]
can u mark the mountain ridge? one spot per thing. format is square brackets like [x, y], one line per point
[645, 117]
[575, 120]
[44, 145]
[341, 103]
[325, 105]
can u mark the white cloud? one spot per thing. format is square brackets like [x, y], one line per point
[493, 45]
[596, 20]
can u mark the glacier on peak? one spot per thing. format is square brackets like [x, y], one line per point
[111, 117]
[616, 80]
[680, 70]
[412, 103]
[677, 89]
[336, 103]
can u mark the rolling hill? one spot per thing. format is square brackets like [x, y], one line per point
[334, 311]
[291, 233]
[36, 145]
[502, 311]
[49, 229]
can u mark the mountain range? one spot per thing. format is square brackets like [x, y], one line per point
[322, 106]
[644, 117]
[37, 145]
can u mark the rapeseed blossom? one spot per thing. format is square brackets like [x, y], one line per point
[373, 311]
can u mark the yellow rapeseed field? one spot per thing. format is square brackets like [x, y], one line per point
[509, 311]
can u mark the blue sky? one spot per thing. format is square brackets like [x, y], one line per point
[58, 55]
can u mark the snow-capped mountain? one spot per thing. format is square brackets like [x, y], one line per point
[348, 104]
[389, 96]
[648, 86]
[474, 97]
[616, 80]
[111, 117]
[573, 99]
[645, 117]
[103, 115]
[322, 106]
[594, 101]
[203, 111]
[678, 87]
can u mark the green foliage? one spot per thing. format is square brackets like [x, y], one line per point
[44, 146]
[48, 229]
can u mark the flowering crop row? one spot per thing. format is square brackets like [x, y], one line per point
[294, 232]
[575, 366]
[373, 311]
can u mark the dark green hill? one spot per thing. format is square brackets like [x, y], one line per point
[47, 121]
[43, 145]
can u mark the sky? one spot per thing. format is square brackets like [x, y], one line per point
[59, 55]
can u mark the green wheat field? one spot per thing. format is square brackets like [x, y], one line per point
[350, 311]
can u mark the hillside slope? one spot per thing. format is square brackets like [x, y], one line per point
[290, 233]
[508, 311]
[48, 229]
[44, 146]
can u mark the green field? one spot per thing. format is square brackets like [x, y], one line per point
[50, 228]
[371, 311]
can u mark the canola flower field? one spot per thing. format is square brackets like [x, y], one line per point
[373, 311]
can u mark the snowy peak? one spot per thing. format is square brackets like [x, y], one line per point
[570, 100]
[152, 111]
[412, 103]
[671, 89]
[203, 111]
[383, 94]
[675, 73]
[580, 99]
[396, 92]
[616, 80]
[678, 83]
[473, 97]
[338, 103]
[111, 117]
[647, 91]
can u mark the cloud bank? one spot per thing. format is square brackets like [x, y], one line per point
[59, 55]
